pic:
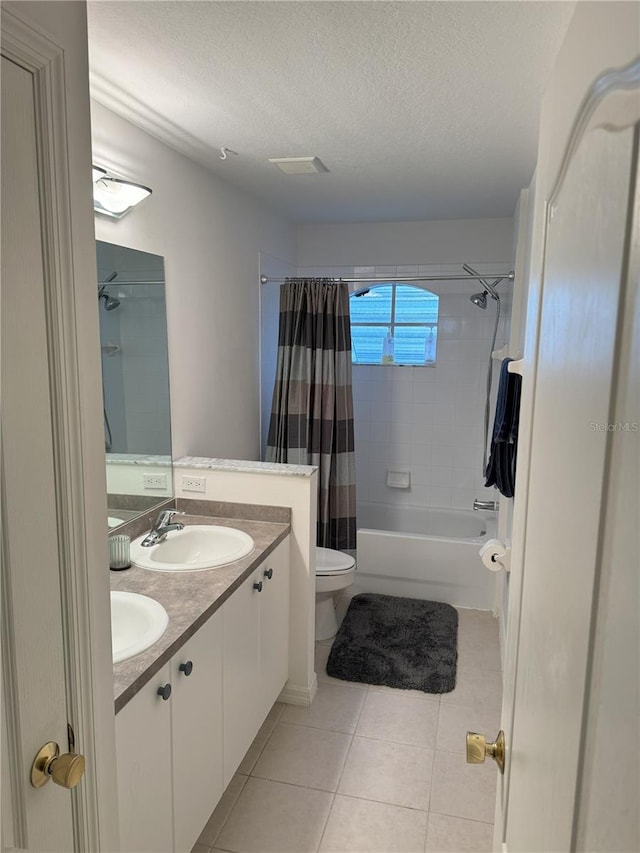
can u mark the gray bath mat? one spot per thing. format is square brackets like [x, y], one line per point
[398, 642]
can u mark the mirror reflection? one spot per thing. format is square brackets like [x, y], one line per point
[135, 380]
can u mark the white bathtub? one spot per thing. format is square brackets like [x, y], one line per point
[420, 552]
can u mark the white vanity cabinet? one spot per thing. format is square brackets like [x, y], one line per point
[274, 627]
[176, 755]
[196, 721]
[143, 753]
[255, 653]
[169, 752]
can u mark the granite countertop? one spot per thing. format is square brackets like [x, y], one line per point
[189, 598]
[246, 465]
[145, 459]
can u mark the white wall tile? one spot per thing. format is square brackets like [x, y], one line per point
[428, 419]
[440, 497]
[401, 433]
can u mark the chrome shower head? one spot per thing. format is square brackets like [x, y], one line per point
[479, 299]
[110, 302]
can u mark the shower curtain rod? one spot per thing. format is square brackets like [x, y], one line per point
[264, 279]
[116, 282]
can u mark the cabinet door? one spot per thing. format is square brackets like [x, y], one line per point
[240, 672]
[143, 750]
[274, 626]
[196, 714]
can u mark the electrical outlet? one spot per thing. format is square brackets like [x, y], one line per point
[154, 481]
[194, 484]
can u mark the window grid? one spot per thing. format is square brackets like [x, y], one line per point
[393, 328]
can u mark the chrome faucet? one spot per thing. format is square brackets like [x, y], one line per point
[487, 506]
[164, 524]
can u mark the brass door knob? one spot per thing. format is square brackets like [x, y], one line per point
[478, 749]
[65, 770]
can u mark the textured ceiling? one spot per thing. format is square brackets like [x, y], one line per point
[420, 110]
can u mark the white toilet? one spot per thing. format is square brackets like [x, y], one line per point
[334, 572]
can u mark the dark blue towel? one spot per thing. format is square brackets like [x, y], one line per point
[501, 470]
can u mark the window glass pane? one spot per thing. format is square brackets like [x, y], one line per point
[415, 305]
[366, 343]
[415, 344]
[372, 307]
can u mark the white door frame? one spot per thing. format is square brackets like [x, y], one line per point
[74, 378]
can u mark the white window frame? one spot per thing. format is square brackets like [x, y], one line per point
[391, 325]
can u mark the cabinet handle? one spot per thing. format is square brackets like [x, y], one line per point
[187, 668]
[258, 586]
[268, 573]
[164, 691]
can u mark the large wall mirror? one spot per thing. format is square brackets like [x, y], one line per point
[135, 380]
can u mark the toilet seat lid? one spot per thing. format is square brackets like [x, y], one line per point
[330, 562]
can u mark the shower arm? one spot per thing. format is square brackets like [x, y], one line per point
[490, 288]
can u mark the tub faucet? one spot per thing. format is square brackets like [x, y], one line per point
[487, 506]
[163, 525]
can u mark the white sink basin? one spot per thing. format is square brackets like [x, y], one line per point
[137, 622]
[195, 548]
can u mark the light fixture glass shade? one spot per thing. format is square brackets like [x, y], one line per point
[97, 173]
[115, 197]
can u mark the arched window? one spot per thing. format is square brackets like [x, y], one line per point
[394, 323]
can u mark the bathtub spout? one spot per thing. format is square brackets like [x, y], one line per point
[487, 506]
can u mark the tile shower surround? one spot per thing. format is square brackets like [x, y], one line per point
[429, 420]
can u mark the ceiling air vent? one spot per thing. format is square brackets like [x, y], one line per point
[299, 165]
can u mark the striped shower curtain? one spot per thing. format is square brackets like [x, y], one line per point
[312, 410]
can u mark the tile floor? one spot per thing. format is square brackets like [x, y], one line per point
[370, 769]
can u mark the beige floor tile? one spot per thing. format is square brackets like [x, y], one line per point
[362, 826]
[395, 691]
[200, 848]
[477, 620]
[304, 756]
[454, 721]
[478, 640]
[270, 817]
[463, 790]
[480, 655]
[477, 687]
[222, 810]
[456, 835]
[335, 708]
[398, 718]
[388, 772]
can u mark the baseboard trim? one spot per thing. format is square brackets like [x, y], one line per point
[296, 694]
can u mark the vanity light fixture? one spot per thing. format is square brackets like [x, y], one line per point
[115, 197]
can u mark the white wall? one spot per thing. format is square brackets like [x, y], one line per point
[379, 243]
[428, 420]
[210, 235]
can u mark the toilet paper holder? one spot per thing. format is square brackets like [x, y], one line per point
[496, 554]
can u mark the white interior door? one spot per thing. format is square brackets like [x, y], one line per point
[581, 343]
[34, 661]
[56, 655]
